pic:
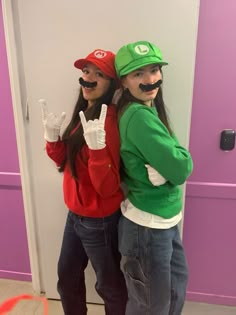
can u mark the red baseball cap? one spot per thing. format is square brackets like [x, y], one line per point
[103, 59]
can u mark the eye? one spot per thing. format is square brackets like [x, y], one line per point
[99, 74]
[138, 74]
[155, 69]
[85, 71]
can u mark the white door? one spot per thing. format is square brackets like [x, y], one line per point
[49, 37]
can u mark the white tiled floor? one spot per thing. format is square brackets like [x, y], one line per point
[9, 288]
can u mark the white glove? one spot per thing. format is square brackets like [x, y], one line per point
[155, 178]
[52, 123]
[94, 132]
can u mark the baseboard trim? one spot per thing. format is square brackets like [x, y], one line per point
[14, 275]
[211, 298]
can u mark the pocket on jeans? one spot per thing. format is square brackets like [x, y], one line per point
[128, 237]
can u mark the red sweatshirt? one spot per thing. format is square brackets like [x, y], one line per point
[97, 192]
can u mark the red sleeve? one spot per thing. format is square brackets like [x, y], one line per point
[104, 164]
[56, 151]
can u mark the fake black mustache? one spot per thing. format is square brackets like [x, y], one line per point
[87, 84]
[150, 87]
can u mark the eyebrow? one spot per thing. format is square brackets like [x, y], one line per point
[152, 66]
[96, 68]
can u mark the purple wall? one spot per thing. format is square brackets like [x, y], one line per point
[14, 259]
[210, 212]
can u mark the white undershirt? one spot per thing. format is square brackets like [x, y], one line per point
[147, 219]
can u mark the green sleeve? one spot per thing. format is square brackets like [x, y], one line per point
[158, 149]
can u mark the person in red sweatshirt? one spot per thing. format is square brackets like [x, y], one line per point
[88, 155]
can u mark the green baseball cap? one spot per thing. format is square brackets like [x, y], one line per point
[136, 55]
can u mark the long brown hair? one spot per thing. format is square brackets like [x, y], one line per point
[74, 140]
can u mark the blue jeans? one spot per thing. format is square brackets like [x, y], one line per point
[155, 269]
[94, 239]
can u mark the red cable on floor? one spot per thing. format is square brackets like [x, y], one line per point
[8, 305]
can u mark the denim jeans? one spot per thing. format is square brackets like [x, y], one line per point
[94, 239]
[155, 269]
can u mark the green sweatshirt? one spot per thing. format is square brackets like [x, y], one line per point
[146, 140]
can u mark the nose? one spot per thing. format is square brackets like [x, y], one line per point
[90, 77]
[148, 78]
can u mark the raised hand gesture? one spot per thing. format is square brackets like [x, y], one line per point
[51, 123]
[94, 131]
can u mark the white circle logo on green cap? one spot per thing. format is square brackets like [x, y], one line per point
[141, 49]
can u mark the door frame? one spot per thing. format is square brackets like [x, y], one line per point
[18, 112]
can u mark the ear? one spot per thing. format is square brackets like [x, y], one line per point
[123, 83]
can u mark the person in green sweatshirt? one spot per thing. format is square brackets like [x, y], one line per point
[154, 164]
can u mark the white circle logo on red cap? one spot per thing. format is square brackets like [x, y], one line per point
[100, 54]
[141, 49]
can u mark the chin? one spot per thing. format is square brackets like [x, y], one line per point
[150, 99]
